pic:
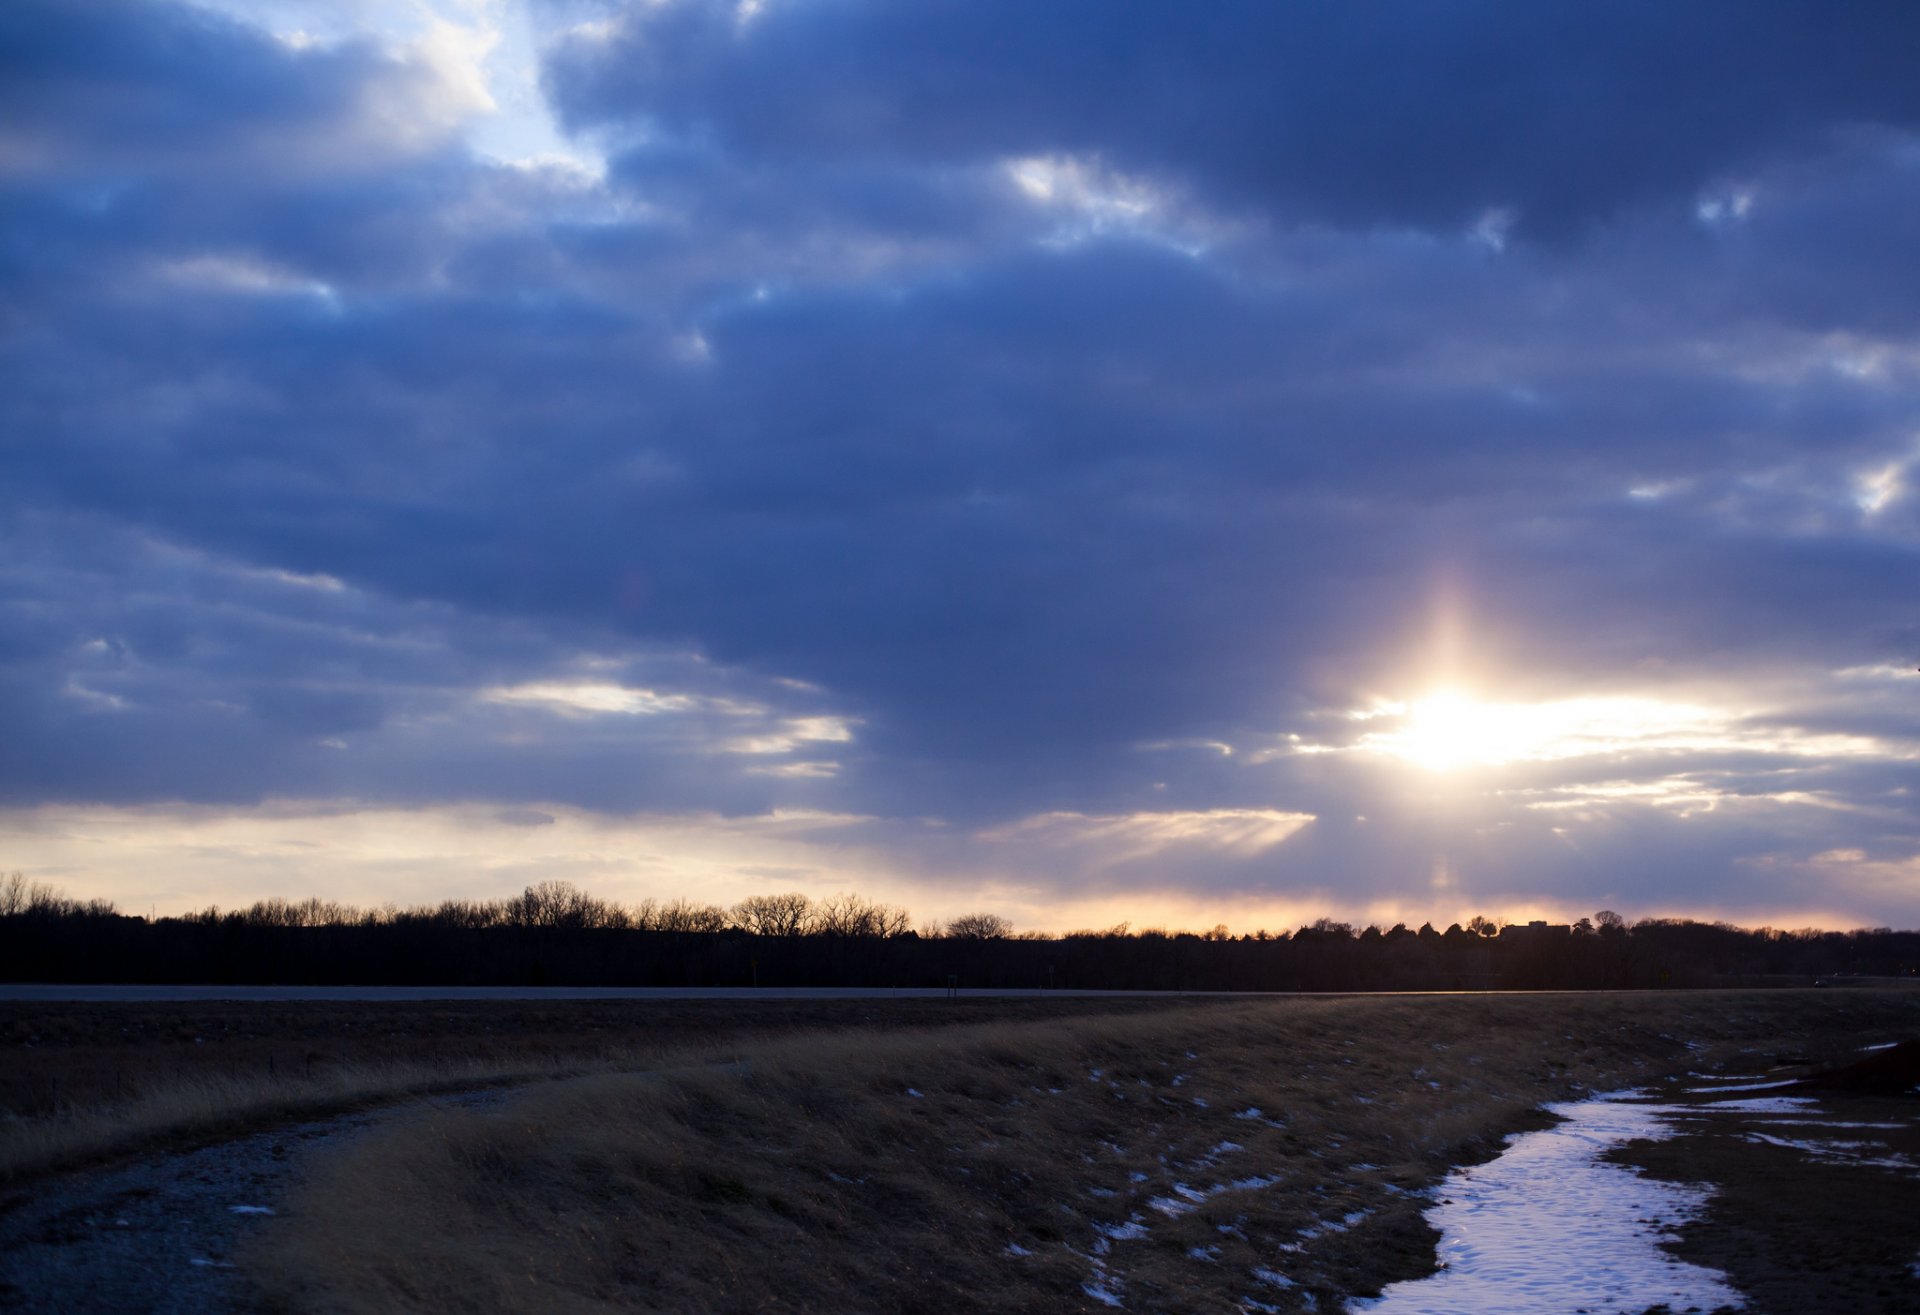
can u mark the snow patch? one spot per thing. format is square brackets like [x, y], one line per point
[1758, 1105]
[1324, 1228]
[1549, 1227]
[1859, 1153]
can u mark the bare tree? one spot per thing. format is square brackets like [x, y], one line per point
[310, 912]
[790, 914]
[21, 896]
[855, 915]
[690, 915]
[979, 927]
[561, 904]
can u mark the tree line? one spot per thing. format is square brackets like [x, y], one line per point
[554, 933]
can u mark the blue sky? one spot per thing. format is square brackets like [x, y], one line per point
[1089, 461]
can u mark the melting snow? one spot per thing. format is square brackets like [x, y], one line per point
[1759, 1105]
[1840, 1152]
[1325, 1228]
[1549, 1227]
[1186, 1197]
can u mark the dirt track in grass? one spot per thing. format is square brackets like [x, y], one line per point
[81, 1083]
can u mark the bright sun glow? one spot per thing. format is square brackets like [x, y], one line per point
[1449, 730]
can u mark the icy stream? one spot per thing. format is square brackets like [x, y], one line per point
[1549, 1228]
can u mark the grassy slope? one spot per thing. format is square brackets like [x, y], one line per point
[1040, 1166]
[85, 1082]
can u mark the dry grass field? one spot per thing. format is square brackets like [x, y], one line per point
[82, 1082]
[1248, 1155]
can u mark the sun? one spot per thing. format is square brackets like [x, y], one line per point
[1451, 730]
[1448, 730]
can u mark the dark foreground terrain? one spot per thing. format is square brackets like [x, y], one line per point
[916, 1155]
[1817, 1206]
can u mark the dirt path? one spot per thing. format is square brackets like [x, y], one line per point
[156, 1236]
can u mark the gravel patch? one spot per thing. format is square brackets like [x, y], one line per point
[157, 1236]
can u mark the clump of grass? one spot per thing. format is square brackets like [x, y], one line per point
[1193, 1160]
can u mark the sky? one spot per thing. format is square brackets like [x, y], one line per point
[1088, 462]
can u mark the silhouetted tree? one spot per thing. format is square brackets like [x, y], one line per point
[775, 915]
[978, 927]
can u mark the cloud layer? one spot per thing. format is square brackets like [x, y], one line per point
[1068, 446]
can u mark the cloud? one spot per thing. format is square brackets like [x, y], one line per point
[928, 407]
[1417, 114]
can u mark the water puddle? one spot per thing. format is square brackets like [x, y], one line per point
[1549, 1228]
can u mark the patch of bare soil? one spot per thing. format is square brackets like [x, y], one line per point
[1817, 1210]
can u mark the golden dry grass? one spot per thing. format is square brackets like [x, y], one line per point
[81, 1083]
[210, 1105]
[1195, 1160]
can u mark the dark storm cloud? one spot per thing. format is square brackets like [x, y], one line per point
[1419, 113]
[326, 436]
[97, 83]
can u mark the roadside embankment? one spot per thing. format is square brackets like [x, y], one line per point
[1244, 1155]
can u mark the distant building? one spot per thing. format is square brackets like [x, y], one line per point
[1536, 930]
